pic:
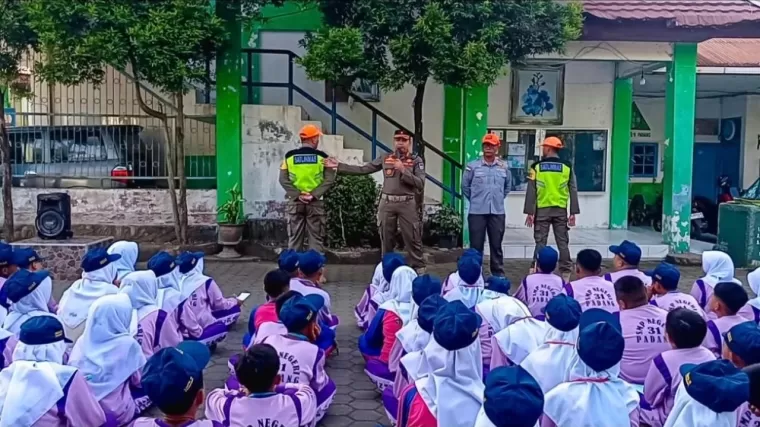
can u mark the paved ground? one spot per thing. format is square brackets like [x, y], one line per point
[357, 404]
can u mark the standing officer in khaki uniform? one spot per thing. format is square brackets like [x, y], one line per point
[404, 179]
[551, 183]
[305, 180]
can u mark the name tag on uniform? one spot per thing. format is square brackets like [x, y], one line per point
[389, 171]
[305, 159]
[550, 167]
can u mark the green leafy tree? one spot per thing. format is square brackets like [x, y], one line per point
[408, 42]
[163, 43]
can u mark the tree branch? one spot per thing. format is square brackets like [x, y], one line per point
[140, 101]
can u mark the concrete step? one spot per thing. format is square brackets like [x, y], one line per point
[525, 251]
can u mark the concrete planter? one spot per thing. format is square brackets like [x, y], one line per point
[230, 235]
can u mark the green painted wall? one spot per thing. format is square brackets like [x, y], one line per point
[621, 153]
[649, 190]
[474, 128]
[453, 121]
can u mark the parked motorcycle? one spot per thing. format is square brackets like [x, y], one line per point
[698, 223]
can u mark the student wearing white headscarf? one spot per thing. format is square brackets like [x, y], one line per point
[709, 395]
[718, 267]
[129, 252]
[29, 259]
[97, 281]
[469, 286]
[38, 389]
[110, 358]
[512, 398]
[453, 279]
[594, 394]
[383, 292]
[451, 391]
[29, 294]
[8, 343]
[164, 266]
[513, 344]
[751, 310]
[378, 284]
[550, 363]
[201, 294]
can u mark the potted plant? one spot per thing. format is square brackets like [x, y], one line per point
[446, 226]
[231, 223]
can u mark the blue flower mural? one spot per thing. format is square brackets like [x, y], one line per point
[536, 100]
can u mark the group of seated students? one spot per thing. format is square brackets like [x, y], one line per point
[82, 362]
[622, 349]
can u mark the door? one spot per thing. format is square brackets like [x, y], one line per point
[714, 159]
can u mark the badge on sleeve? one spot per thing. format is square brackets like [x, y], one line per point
[422, 166]
[284, 165]
[532, 174]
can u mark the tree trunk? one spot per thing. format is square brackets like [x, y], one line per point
[179, 141]
[5, 161]
[419, 96]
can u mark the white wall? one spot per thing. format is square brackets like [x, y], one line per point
[751, 152]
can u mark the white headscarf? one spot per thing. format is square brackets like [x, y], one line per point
[80, 296]
[378, 283]
[500, 310]
[385, 290]
[33, 383]
[34, 304]
[400, 294]
[107, 354]
[550, 363]
[169, 290]
[718, 267]
[520, 338]
[465, 292]
[754, 283]
[688, 412]
[605, 401]
[453, 386]
[142, 289]
[192, 280]
[128, 251]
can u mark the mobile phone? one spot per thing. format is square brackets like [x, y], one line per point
[243, 296]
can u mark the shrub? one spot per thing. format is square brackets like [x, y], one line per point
[351, 208]
[445, 222]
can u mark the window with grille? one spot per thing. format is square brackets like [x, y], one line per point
[644, 159]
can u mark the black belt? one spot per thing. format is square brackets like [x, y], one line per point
[392, 198]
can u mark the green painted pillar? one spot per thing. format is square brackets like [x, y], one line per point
[475, 127]
[453, 118]
[620, 153]
[680, 100]
[229, 156]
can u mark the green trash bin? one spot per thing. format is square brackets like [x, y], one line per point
[739, 232]
[200, 172]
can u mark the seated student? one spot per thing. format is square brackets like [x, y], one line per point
[450, 392]
[155, 328]
[8, 343]
[164, 266]
[589, 289]
[743, 350]
[626, 262]
[453, 279]
[129, 252]
[263, 400]
[37, 389]
[684, 330]
[718, 267]
[301, 361]
[664, 290]
[173, 380]
[470, 285]
[29, 259]
[550, 363]
[276, 283]
[498, 310]
[110, 358]
[643, 329]
[709, 395]
[310, 267]
[7, 267]
[97, 281]
[512, 397]
[594, 395]
[751, 310]
[538, 288]
[383, 293]
[726, 301]
[362, 310]
[749, 412]
[203, 294]
[29, 294]
[513, 344]
[414, 337]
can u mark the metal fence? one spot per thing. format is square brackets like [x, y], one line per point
[99, 137]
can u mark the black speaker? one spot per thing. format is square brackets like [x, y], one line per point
[53, 216]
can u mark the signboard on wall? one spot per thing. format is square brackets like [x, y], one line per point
[10, 116]
[639, 127]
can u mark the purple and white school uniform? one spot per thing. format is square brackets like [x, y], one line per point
[593, 292]
[129, 252]
[157, 422]
[751, 310]
[715, 329]
[456, 289]
[111, 359]
[362, 309]
[289, 405]
[497, 311]
[514, 343]
[718, 267]
[302, 362]
[8, 343]
[675, 299]
[537, 289]
[77, 300]
[745, 417]
[206, 299]
[306, 287]
[663, 379]
[613, 276]
[550, 363]
[643, 329]
[34, 304]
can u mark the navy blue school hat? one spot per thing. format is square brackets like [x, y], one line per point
[97, 258]
[7, 256]
[23, 283]
[512, 397]
[175, 373]
[667, 274]
[391, 262]
[744, 341]
[600, 342]
[732, 294]
[424, 286]
[563, 312]
[162, 263]
[717, 384]
[456, 326]
[24, 257]
[474, 253]
[41, 330]
[498, 284]
[429, 310]
[299, 311]
[629, 251]
[310, 262]
[546, 259]
[288, 260]
[186, 261]
[469, 269]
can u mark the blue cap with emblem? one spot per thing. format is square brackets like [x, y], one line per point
[41, 330]
[175, 374]
[299, 311]
[429, 310]
[630, 252]
[600, 341]
[546, 259]
[7, 256]
[456, 326]
[25, 257]
[717, 384]
[391, 262]
[744, 341]
[311, 262]
[424, 286]
[97, 258]
[469, 270]
[23, 283]
[161, 263]
[512, 398]
[667, 275]
[288, 260]
[471, 252]
[186, 261]
[498, 284]
[563, 312]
